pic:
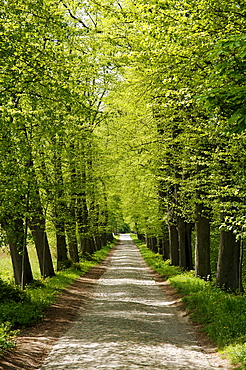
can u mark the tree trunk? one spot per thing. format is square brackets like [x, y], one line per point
[162, 199]
[60, 207]
[148, 242]
[70, 221]
[154, 244]
[72, 242]
[202, 246]
[18, 251]
[83, 224]
[229, 258]
[91, 245]
[185, 249]
[104, 239]
[173, 245]
[71, 233]
[163, 242]
[228, 269]
[61, 245]
[141, 237]
[37, 227]
[36, 222]
[98, 242]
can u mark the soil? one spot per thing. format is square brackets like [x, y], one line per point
[34, 344]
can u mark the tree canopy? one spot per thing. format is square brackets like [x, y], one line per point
[124, 115]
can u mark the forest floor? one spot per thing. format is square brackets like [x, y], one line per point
[120, 315]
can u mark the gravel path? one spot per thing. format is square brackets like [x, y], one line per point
[130, 325]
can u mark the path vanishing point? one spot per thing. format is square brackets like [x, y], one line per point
[130, 324]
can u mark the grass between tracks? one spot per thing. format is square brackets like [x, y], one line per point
[222, 314]
[20, 309]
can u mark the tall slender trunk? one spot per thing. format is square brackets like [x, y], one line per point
[72, 232]
[164, 235]
[202, 212]
[61, 244]
[173, 233]
[185, 248]
[202, 245]
[59, 207]
[103, 225]
[83, 223]
[173, 245]
[71, 222]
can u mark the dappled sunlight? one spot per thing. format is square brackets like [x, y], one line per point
[130, 325]
[124, 281]
[154, 304]
[129, 268]
[130, 355]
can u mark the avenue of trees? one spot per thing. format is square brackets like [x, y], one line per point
[124, 111]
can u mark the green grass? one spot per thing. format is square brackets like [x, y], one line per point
[23, 308]
[6, 270]
[222, 314]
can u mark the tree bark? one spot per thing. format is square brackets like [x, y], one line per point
[59, 207]
[164, 248]
[163, 242]
[37, 227]
[71, 233]
[202, 245]
[173, 245]
[61, 244]
[154, 244]
[229, 259]
[83, 224]
[228, 269]
[185, 249]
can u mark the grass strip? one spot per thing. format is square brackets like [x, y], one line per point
[222, 314]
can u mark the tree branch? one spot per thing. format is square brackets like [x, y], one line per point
[73, 16]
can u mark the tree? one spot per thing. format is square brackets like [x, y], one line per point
[168, 60]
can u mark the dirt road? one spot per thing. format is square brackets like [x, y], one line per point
[130, 324]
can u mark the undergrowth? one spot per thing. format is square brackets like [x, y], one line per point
[222, 314]
[20, 309]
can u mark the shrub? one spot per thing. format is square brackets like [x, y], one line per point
[10, 292]
[7, 337]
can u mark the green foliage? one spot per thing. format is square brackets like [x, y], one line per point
[227, 80]
[103, 112]
[7, 337]
[63, 265]
[9, 292]
[21, 314]
[237, 353]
